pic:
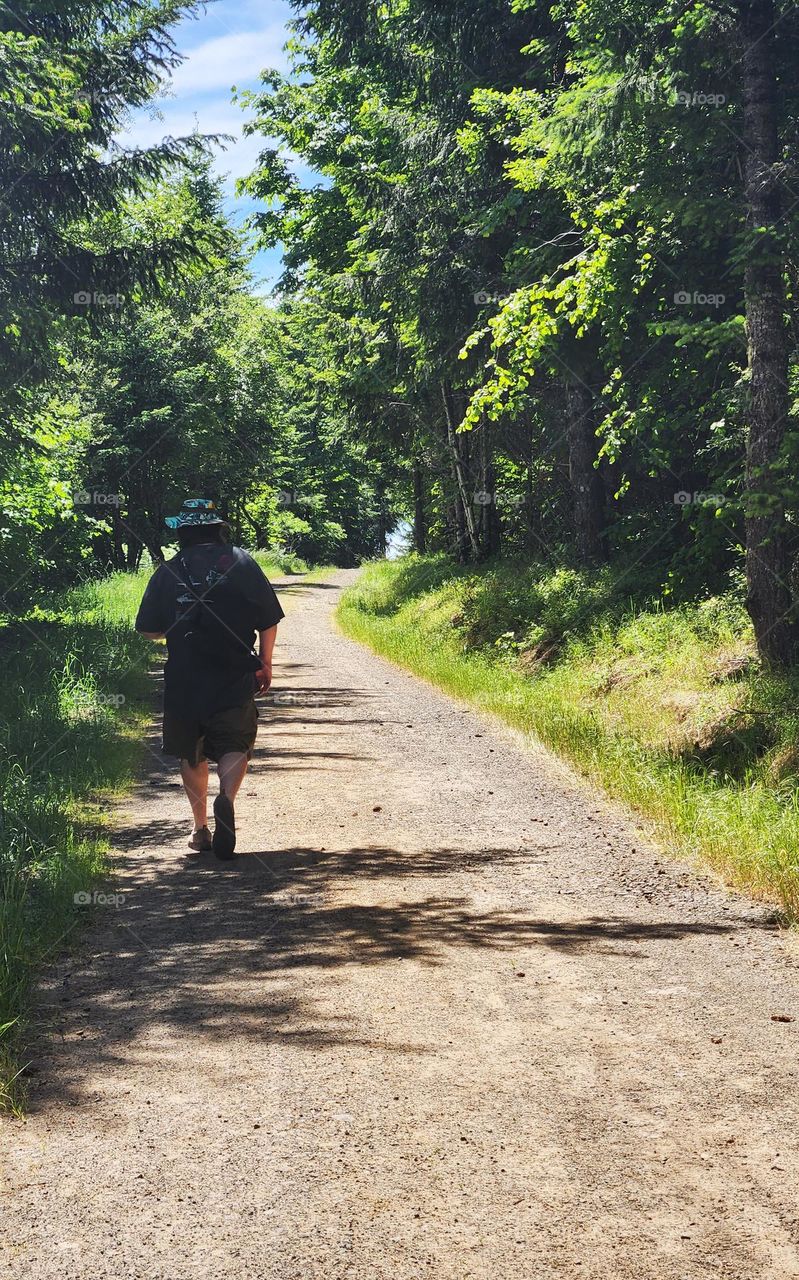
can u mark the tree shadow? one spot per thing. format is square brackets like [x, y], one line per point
[208, 947]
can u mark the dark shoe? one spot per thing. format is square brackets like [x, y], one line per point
[224, 840]
[200, 840]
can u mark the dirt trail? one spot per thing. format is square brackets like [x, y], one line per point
[441, 1018]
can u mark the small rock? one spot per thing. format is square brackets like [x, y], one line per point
[781, 1017]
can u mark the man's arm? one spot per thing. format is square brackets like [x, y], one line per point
[266, 647]
[150, 620]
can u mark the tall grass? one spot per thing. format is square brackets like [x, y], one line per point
[72, 675]
[667, 709]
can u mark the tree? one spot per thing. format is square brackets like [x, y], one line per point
[767, 556]
[69, 73]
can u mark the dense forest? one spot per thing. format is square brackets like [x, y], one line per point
[138, 365]
[555, 252]
[539, 303]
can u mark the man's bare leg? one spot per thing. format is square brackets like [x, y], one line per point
[232, 768]
[195, 784]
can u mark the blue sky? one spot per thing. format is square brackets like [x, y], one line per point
[229, 44]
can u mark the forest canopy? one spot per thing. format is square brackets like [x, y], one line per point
[539, 301]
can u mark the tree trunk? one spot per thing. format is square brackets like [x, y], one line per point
[419, 515]
[489, 512]
[586, 483]
[258, 530]
[470, 541]
[118, 551]
[141, 533]
[767, 564]
[382, 517]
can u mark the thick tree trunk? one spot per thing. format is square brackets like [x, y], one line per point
[586, 483]
[470, 543]
[419, 514]
[767, 566]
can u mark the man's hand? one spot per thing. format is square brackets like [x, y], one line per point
[266, 645]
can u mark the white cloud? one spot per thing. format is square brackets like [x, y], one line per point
[234, 159]
[177, 120]
[199, 97]
[231, 59]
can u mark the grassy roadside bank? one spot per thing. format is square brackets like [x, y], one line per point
[70, 703]
[666, 709]
[73, 701]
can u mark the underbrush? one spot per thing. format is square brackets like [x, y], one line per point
[276, 563]
[667, 708]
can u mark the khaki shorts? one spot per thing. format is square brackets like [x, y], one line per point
[233, 729]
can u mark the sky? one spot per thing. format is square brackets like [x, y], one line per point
[229, 44]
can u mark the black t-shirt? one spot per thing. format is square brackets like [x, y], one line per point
[210, 664]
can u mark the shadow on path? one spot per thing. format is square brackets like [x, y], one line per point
[208, 948]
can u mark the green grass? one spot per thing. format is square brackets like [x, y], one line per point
[70, 703]
[665, 708]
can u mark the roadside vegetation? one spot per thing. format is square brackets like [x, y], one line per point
[667, 708]
[71, 700]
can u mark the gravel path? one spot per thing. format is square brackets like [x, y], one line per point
[448, 1015]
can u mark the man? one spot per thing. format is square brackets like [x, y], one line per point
[208, 602]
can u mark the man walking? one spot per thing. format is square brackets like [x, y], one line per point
[209, 602]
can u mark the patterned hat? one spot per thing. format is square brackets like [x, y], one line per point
[195, 511]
